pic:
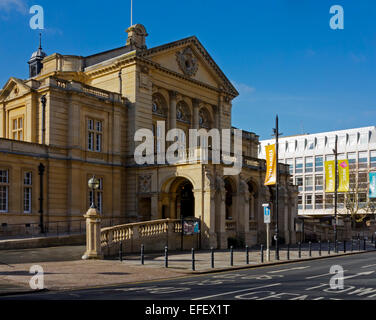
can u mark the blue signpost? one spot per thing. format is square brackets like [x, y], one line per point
[267, 221]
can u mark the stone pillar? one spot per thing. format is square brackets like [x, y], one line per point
[172, 113]
[221, 214]
[196, 107]
[93, 235]
[243, 212]
[209, 219]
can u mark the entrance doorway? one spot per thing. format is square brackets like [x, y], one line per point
[185, 200]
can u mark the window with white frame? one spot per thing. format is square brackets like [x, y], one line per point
[319, 165]
[27, 187]
[299, 165]
[290, 162]
[4, 189]
[299, 182]
[319, 201]
[308, 183]
[319, 182]
[363, 160]
[351, 156]
[308, 201]
[372, 159]
[309, 164]
[95, 132]
[17, 128]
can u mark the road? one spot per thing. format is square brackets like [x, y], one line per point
[306, 280]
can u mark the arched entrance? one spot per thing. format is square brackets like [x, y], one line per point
[178, 199]
[185, 201]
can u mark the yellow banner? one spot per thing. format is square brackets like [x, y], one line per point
[330, 176]
[271, 165]
[343, 176]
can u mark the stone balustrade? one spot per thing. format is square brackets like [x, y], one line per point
[154, 235]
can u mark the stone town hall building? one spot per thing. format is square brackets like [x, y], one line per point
[86, 125]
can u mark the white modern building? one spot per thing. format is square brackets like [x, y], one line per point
[306, 155]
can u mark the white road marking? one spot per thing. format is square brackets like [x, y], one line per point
[284, 270]
[322, 275]
[233, 292]
[358, 274]
[369, 266]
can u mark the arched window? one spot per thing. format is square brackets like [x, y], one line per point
[183, 113]
[159, 106]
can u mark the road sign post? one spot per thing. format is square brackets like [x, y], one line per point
[267, 222]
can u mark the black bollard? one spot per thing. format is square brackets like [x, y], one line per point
[352, 245]
[358, 244]
[299, 250]
[212, 257]
[121, 251]
[142, 254]
[344, 246]
[364, 244]
[166, 257]
[231, 256]
[288, 252]
[328, 246]
[262, 253]
[193, 260]
[310, 248]
[320, 248]
[246, 254]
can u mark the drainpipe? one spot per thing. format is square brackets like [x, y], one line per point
[43, 100]
[41, 169]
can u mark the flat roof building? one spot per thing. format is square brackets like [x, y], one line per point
[306, 155]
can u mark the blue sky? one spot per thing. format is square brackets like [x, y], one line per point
[281, 54]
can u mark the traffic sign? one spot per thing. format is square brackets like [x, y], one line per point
[266, 214]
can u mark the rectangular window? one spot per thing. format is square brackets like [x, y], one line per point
[308, 183]
[319, 183]
[95, 129]
[299, 183]
[308, 201]
[362, 200]
[373, 159]
[309, 164]
[299, 165]
[300, 202]
[17, 129]
[28, 183]
[329, 158]
[329, 200]
[319, 165]
[319, 201]
[352, 160]
[4, 188]
[363, 160]
[290, 162]
[341, 200]
[362, 180]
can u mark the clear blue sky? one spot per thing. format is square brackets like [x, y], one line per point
[280, 54]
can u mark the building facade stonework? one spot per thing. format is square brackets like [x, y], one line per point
[94, 106]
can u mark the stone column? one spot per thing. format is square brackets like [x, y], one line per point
[93, 235]
[221, 215]
[243, 211]
[172, 113]
[209, 218]
[196, 107]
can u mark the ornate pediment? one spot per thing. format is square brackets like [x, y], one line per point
[13, 89]
[187, 61]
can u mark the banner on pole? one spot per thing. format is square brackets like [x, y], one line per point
[330, 176]
[271, 165]
[372, 185]
[343, 176]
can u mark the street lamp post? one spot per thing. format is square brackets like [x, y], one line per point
[276, 236]
[93, 184]
[335, 151]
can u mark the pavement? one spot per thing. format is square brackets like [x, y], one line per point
[64, 270]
